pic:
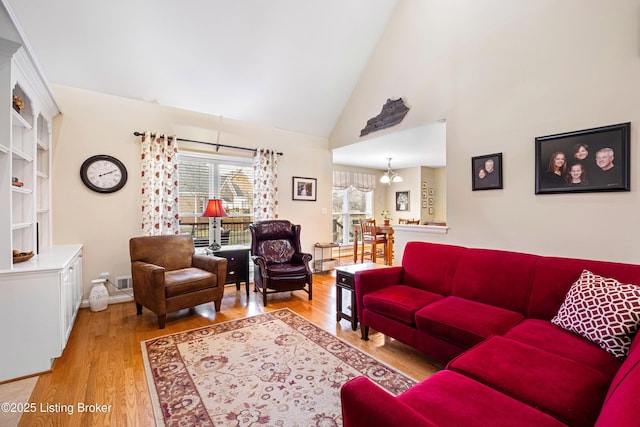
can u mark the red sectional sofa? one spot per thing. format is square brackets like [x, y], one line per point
[486, 313]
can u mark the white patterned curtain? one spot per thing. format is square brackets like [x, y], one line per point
[159, 185]
[265, 185]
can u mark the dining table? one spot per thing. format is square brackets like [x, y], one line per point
[387, 230]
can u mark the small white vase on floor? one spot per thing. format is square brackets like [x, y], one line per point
[99, 295]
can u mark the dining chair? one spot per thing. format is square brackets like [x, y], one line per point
[371, 236]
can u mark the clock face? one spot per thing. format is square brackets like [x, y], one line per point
[103, 174]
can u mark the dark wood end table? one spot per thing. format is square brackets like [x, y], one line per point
[346, 279]
[237, 264]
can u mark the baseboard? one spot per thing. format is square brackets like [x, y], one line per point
[113, 299]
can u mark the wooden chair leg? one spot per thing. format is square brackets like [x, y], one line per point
[162, 320]
[138, 309]
[217, 304]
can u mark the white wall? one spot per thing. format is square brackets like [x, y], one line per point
[94, 123]
[502, 73]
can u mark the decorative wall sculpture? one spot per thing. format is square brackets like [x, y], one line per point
[392, 113]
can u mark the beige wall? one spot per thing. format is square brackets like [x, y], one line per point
[502, 73]
[94, 123]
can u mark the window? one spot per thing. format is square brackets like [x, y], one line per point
[352, 201]
[202, 177]
[349, 207]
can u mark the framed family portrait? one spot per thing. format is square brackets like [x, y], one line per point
[486, 172]
[584, 161]
[402, 201]
[304, 188]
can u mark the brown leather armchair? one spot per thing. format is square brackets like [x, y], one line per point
[280, 263]
[168, 277]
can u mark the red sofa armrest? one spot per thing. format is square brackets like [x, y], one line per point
[364, 404]
[371, 280]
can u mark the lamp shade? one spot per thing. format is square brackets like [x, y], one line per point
[214, 209]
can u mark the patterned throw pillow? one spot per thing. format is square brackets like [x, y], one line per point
[602, 310]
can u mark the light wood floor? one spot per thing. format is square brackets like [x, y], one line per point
[102, 363]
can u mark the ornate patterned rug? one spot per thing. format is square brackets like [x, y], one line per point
[273, 369]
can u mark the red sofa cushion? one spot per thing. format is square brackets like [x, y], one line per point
[621, 404]
[463, 321]
[450, 399]
[554, 276]
[498, 278]
[399, 302]
[444, 259]
[549, 337]
[602, 310]
[563, 388]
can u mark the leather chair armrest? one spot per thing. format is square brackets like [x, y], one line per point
[261, 262]
[213, 264]
[301, 257]
[148, 285]
[150, 274]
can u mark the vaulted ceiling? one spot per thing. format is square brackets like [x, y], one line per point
[290, 64]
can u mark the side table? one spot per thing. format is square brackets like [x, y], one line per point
[237, 264]
[346, 279]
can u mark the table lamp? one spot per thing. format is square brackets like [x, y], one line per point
[214, 210]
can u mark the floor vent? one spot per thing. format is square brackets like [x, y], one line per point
[124, 282]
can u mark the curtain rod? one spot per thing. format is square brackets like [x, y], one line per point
[215, 144]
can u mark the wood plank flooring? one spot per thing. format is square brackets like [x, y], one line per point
[102, 364]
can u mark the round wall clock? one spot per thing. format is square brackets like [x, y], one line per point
[103, 174]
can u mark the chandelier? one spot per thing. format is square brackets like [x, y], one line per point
[390, 176]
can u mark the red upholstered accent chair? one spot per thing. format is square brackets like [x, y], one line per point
[280, 263]
[168, 277]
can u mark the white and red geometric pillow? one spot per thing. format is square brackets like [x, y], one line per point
[602, 310]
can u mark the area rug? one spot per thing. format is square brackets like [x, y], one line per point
[273, 369]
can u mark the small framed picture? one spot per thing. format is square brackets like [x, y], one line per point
[424, 195]
[486, 172]
[424, 204]
[432, 211]
[424, 185]
[430, 201]
[430, 191]
[304, 188]
[402, 201]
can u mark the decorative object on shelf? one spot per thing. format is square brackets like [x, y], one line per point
[402, 201]
[18, 104]
[16, 183]
[304, 188]
[392, 113]
[587, 160]
[99, 295]
[214, 210]
[486, 172]
[21, 256]
[103, 173]
[390, 176]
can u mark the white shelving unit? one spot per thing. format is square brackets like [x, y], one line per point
[25, 161]
[39, 298]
